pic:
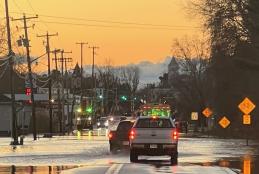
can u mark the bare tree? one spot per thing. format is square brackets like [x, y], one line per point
[3, 41]
[107, 75]
[130, 76]
[190, 80]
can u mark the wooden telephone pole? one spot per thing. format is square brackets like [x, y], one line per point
[10, 55]
[82, 69]
[50, 80]
[64, 62]
[27, 45]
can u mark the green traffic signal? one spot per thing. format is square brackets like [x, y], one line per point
[89, 109]
[124, 98]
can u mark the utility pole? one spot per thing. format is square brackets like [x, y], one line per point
[63, 61]
[50, 80]
[82, 70]
[27, 45]
[70, 116]
[93, 65]
[58, 92]
[10, 55]
[93, 79]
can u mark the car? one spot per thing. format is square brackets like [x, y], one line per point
[119, 138]
[102, 122]
[154, 136]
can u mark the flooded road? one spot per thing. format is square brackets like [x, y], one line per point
[34, 169]
[196, 156]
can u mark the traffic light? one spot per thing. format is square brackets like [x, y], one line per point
[100, 93]
[124, 98]
[89, 109]
[28, 91]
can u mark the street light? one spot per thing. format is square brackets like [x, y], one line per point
[79, 110]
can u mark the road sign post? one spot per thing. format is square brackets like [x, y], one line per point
[194, 116]
[207, 113]
[247, 106]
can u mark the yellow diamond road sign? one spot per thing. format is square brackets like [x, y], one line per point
[247, 119]
[224, 122]
[207, 112]
[246, 106]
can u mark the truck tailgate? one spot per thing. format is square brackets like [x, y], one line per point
[154, 135]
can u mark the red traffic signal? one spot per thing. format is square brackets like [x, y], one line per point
[28, 91]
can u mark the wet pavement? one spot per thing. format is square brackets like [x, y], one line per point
[196, 155]
[34, 169]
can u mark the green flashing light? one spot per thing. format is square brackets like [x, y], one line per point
[89, 109]
[124, 98]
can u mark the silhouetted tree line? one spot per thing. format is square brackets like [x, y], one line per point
[233, 26]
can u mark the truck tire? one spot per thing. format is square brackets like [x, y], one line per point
[174, 159]
[133, 156]
[112, 148]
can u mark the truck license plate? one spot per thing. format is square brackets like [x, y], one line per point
[125, 143]
[153, 146]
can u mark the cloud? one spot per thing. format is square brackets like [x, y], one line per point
[149, 72]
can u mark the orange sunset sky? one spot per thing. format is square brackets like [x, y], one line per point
[118, 27]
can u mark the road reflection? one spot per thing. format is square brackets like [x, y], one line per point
[34, 169]
[244, 165]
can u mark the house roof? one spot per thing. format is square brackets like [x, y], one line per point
[4, 98]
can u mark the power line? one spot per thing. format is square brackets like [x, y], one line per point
[4, 71]
[114, 22]
[18, 7]
[114, 26]
[30, 5]
[28, 1]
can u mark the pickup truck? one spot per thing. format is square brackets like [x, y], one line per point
[154, 136]
[119, 137]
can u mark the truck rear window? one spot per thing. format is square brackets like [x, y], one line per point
[124, 126]
[154, 123]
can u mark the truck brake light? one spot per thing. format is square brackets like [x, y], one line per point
[175, 135]
[132, 134]
[110, 135]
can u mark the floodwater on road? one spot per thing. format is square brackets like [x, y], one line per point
[242, 165]
[34, 169]
[196, 155]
